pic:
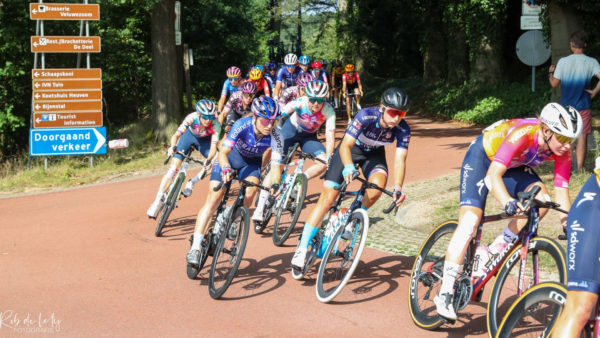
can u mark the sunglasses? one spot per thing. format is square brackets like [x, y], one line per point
[395, 112]
[247, 96]
[563, 139]
[292, 66]
[207, 117]
[318, 100]
[234, 78]
[266, 122]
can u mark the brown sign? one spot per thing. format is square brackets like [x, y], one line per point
[53, 85]
[66, 73]
[61, 120]
[64, 11]
[67, 106]
[67, 95]
[65, 44]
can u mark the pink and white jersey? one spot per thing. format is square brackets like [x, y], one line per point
[194, 125]
[302, 118]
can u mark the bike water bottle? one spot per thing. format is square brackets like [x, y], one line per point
[482, 255]
[118, 144]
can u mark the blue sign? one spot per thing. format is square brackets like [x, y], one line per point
[67, 141]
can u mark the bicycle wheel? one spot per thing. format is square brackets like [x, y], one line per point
[354, 107]
[289, 210]
[552, 268]
[341, 257]
[229, 252]
[426, 276]
[170, 203]
[534, 313]
[193, 270]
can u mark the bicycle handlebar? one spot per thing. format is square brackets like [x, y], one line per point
[243, 182]
[528, 200]
[370, 185]
[187, 157]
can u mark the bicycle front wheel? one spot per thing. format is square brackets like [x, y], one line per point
[229, 252]
[289, 210]
[545, 261]
[535, 312]
[170, 203]
[342, 256]
[426, 276]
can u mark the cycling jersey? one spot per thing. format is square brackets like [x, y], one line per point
[370, 135]
[243, 138]
[234, 108]
[514, 143]
[286, 78]
[305, 120]
[288, 95]
[337, 78]
[193, 124]
[262, 85]
[271, 79]
[228, 88]
[349, 79]
[323, 77]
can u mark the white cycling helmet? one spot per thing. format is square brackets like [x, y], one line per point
[290, 59]
[564, 121]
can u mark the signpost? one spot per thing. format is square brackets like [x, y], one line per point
[532, 51]
[65, 44]
[74, 141]
[62, 120]
[38, 11]
[66, 73]
[67, 84]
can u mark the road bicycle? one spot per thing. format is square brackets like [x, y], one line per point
[523, 263]
[226, 240]
[340, 254]
[288, 206]
[353, 104]
[174, 193]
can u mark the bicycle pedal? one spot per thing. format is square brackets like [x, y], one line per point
[448, 321]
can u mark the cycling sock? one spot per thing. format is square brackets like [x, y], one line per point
[196, 178]
[197, 241]
[307, 176]
[262, 199]
[450, 272]
[363, 207]
[308, 233]
[508, 235]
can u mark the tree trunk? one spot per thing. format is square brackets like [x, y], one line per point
[434, 49]
[166, 89]
[458, 53]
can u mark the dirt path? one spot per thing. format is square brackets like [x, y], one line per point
[85, 262]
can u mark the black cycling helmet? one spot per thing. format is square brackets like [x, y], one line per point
[395, 98]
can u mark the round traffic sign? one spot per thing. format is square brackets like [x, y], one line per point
[532, 49]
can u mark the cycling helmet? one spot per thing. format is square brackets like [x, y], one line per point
[316, 65]
[349, 67]
[316, 89]
[303, 79]
[248, 87]
[562, 120]
[316, 73]
[304, 60]
[395, 98]
[265, 107]
[255, 74]
[206, 107]
[234, 71]
[324, 63]
[260, 67]
[271, 66]
[290, 59]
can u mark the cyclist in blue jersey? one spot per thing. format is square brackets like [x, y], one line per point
[286, 76]
[306, 115]
[363, 144]
[583, 259]
[230, 86]
[199, 129]
[241, 150]
[318, 72]
[304, 63]
[271, 75]
[291, 93]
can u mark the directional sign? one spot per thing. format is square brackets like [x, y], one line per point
[62, 120]
[40, 96]
[64, 141]
[66, 73]
[65, 44]
[67, 106]
[64, 11]
[54, 85]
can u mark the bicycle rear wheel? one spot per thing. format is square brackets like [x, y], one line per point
[170, 203]
[534, 313]
[552, 268]
[341, 257]
[289, 210]
[354, 107]
[193, 270]
[229, 252]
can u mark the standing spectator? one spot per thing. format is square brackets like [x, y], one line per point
[574, 73]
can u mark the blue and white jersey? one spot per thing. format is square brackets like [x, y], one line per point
[244, 139]
[286, 78]
[228, 88]
[370, 135]
[575, 73]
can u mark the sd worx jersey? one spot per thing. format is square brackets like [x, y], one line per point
[248, 144]
[370, 135]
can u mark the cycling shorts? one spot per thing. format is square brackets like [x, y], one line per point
[583, 232]
[308, 141]
[473, 191]
[367, 160]
[245, 166]
[188, 139]
[351, 86]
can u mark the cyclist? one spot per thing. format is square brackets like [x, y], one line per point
[304, 62]
[500, 161]
[306, 115]
[351, 82]
[230, 86]
[262, 86]
[583, 277]
[238, 105]
[242, 151]
[198, 129]
[363, 144]
[291, 93]
[336, 82]
[286, 76]
[318, 72]
[271, 75]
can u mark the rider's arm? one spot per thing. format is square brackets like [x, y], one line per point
[497, 187]
[277, 90]
[223, 155]
[359, 84]
[330, 134]
[344, 84]
[345, 147]
[400, 166]
[276, 156]
[561, 195]
[266, 87]
[175, 138]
